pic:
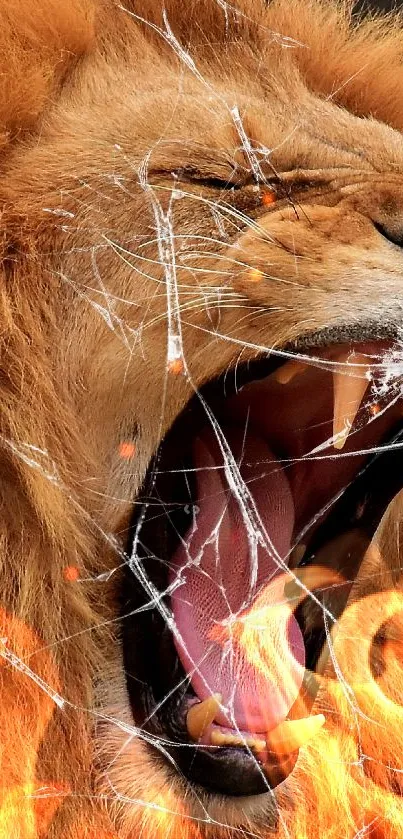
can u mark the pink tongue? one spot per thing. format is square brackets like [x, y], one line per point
[239, 636]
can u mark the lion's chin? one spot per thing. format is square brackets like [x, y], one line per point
[143, 791]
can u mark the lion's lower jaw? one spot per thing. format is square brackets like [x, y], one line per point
[150, 799]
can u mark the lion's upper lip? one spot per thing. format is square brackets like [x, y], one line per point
[323, 412]
[281, 431]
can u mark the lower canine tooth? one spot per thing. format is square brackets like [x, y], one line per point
[290, 735]
[201, 715]
[348, 390]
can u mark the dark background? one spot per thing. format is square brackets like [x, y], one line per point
[382, 5]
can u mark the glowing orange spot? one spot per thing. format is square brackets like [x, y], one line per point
[71, 573]
[176, 366]
[374, 409]
[127, 450]
[268, 198]
[255, 275]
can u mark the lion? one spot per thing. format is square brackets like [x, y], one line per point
[201, 367]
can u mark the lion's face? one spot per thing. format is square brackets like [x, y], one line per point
[201, 435]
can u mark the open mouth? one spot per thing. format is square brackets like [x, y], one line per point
[251, 528]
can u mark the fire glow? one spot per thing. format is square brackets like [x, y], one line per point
[356, 754]
[27, 804]
[347, 779]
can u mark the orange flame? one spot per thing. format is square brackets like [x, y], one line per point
[261, 630]
[358, 755]
[29, 694]
[349, 778]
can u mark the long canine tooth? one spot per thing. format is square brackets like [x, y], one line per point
[290, 735]
[287, 372]
[348, 395]
[201, 715]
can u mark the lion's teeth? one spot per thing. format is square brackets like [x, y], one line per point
[255, 744]
[290, 735]
[221, 738]
[218, 738]
[201, 715]
[349, 390]
[287, 372]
